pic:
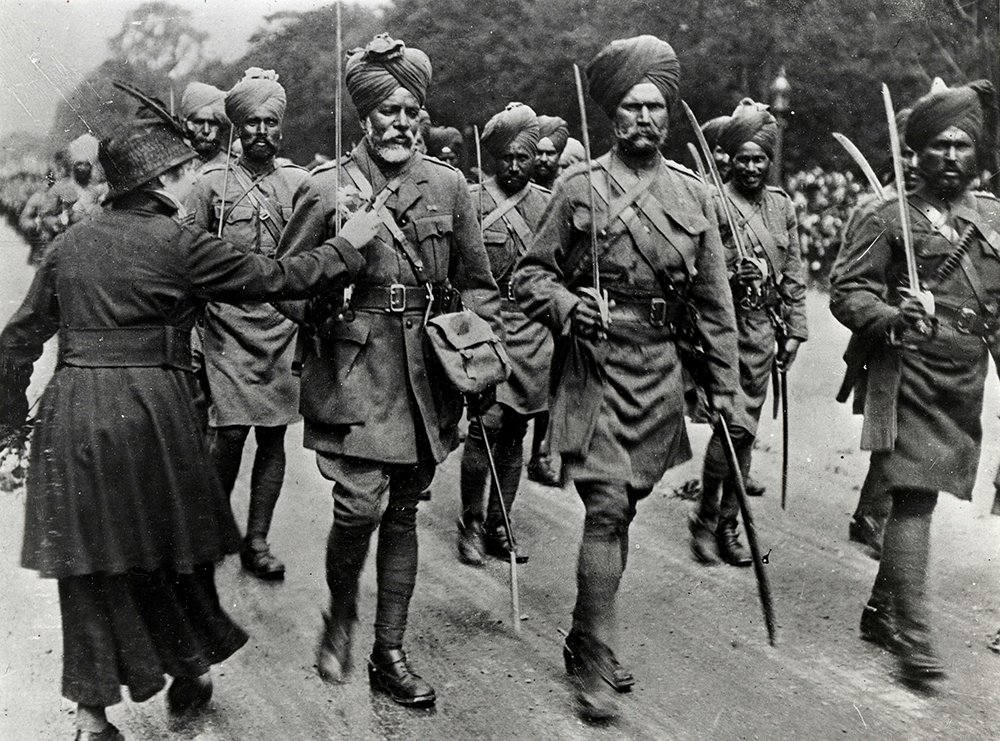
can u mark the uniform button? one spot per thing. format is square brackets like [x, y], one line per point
[409, 323]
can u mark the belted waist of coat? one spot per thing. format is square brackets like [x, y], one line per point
[126, 347]
[967, 320]
[656, 311]
[397, 298]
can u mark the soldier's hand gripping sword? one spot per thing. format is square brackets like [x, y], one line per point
[925, 297]
[713, 170]
[594, 291]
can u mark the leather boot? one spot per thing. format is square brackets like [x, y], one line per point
[918, 662]
[187, 694]
[110, 733]
[498, 545]
[754, 488]
[541, 470]
[389, 671]
[619, 677]
[256, 557]
[333, 656]
[879, 627]
[703, 546]
[730, 549]
[471, 549]
[595, 696]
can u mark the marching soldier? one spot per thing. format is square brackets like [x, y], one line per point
[617, 414]
[511, 207]
[553, 133]
[203, 108]
[926, 370]
[378, 415]
[769, 295]
[249, 347]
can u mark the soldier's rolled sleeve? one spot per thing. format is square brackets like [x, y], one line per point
[469, 266]
[714, 302]
[793, 281]
[539, 277]
[859, 279]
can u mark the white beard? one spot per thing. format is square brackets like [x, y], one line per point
[389, 152]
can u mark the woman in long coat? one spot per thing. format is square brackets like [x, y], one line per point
[123, 508]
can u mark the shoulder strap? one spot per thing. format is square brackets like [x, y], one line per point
[386, 216]
[269, 216]
[506, 209]
[754, 221]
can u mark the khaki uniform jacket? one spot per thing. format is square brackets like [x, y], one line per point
[248, 347]
[617, 413]
[528, 343]
[370, 388]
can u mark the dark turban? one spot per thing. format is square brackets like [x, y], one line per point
[712, 129]
[962, 107]
[374, 73]
[198, 95]
[555, 130]
[516, 123]
[623, 64]
[258, 89]
[750, 122]
[442, 138]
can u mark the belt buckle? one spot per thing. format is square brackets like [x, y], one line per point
[658, 312]
[397, 298]
[966, 320]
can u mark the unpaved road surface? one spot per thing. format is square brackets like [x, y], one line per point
[693, 636]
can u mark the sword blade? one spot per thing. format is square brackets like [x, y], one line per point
[784, 437]
[864, 164]
[904, 211]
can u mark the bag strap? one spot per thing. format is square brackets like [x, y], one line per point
[269, 216]
[754, 221]
[386, 216]
[506, 209]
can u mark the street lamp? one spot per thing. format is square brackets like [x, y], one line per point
[780, 106]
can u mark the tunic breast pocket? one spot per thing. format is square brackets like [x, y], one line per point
[499, 252]
[691, 225]
[434, 237]
[239, 225]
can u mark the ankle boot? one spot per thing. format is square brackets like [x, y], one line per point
[620, 678]
[187, 694]
[333, 656]
[595, 696]
[703, 546]
[730, 549]
[389, 671]
[879, 627]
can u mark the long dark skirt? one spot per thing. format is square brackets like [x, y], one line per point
[130, 629]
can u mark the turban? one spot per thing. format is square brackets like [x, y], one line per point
[572, 153]
[198, 95]
[712, 129]
[82, 149]
[555, 130]
[444, 137]
[515, 124]
[750, 122]
[963, 107]
[258, 89]
[623, 64]
[374, 73]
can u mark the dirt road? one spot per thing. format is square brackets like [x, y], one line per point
[692, 635]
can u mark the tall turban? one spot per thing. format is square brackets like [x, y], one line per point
[750, 122]
[969, 108]
[712, 129]
[515, 124]
[83, 149]
[555, 129]
[623, 64]
[258, 89]
[444, 137]
[198, 95]
[572, 153]
[374, 73]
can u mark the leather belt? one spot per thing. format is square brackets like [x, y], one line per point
[125, 347]
[392, 299]
[655, 311]
[966, 320]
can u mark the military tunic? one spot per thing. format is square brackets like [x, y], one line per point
[370, 390]
[618, 408]
[528, 343]
[769, 230]
[248, 347]
[924, 399]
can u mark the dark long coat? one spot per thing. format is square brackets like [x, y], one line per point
[528, 342]
[248, 347]
[119, 475]
[618, 408]
[924, 399]
[369, 388]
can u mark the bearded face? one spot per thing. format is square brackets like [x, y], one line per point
[391, 128]
[260, 135]
[948, 162]
[641, 121]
